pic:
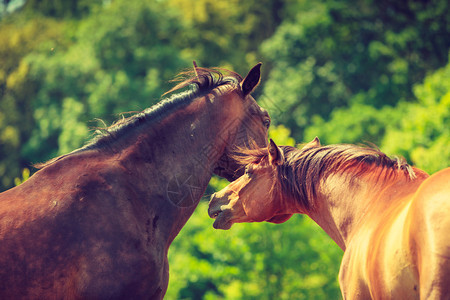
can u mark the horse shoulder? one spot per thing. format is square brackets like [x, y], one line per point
[430, 225]
[377, 263]
[73, 228]
[434, 192]
[430, 208]
[37, 241]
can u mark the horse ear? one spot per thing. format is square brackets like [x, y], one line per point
[195, 68]
[314, 143]
[252, 80]
[276, 157]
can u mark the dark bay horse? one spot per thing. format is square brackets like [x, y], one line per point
[97, 223]
[391, 220]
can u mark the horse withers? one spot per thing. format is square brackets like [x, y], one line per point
[97, 223]
[392, 220]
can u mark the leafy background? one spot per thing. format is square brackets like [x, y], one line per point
[346, 71]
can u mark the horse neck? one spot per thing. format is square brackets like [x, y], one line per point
[183, 148]
[343, 202]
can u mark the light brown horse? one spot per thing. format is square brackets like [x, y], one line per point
[97, 223]
[391, 220]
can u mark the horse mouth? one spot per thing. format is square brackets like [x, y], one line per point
[221, 219]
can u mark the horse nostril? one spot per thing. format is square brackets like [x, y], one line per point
[213, 209]
[215, 214]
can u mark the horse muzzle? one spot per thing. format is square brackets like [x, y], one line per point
[217, 210]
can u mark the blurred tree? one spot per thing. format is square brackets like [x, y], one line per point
[327, 53]
[121, 60]
[19, 37]
[226, 33]
[61, 8]
[359, 123]
[416, 129]
[56, 76]
[25, 175]
[422, 134]
[253, 261]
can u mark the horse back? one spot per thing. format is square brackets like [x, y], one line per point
[73, 230]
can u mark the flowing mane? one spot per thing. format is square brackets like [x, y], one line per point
[303, 168]
[202, 82]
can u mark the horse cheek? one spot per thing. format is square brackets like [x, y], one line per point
[255, 211]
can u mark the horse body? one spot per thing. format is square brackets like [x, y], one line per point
[391, 220]
[98, 223]
[80, 236]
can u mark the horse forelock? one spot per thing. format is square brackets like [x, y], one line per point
[251, 154]
[202, 82]
[205, 79]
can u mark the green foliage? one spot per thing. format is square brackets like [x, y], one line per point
[417, 129]
[423, 134]
[281, 135]
[17, 90]
[60, 9]
[332, 54]
[226, 33]
[366, 124]
[25, 175]
[253, 261]
[117, 62]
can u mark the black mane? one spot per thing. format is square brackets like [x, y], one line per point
[201, 83]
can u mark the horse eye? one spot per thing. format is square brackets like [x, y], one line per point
[267, 123]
